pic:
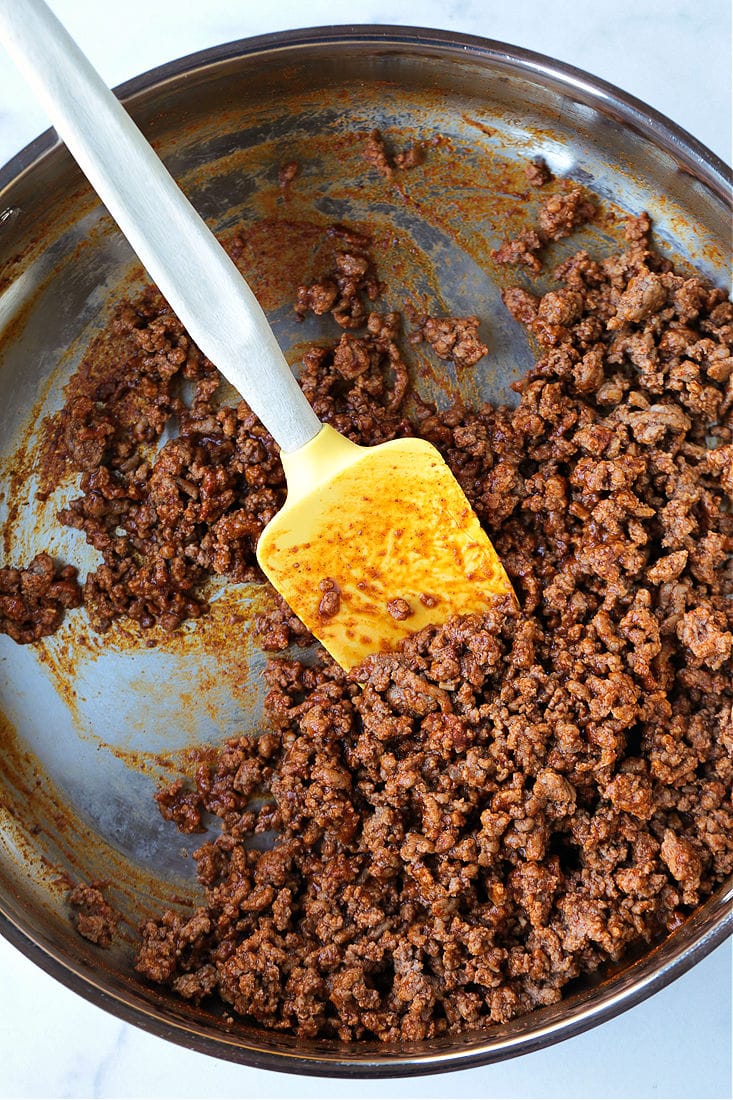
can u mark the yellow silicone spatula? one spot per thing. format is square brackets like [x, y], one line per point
[373, 543]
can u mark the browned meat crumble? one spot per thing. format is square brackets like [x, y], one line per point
[94, 918]
[558, 216]
[524, 248]
[343, 291]
[399, 608]
[538, 172]
[376, 154]
[452, 338]
[33, 599]
[279, 627]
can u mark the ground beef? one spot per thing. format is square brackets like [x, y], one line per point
[459, 836]
[94, 918]
[524, 249]
[512, 800]
[330, 602]
[163, 518]
[345, 290]
[182, 805]
[278, 627]
[399, 608]
[453, 338]
[563, 212]
[560, 214]
[359, 386]
[538, 173]
[704, 633]
[33, 599]
[377, 155]
[521, 304]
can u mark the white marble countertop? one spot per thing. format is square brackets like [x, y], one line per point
[675, 55]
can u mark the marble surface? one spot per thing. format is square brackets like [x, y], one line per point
[675, 55]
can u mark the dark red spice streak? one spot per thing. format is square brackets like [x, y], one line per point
[511, 800]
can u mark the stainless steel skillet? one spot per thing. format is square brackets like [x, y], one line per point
[96, 723]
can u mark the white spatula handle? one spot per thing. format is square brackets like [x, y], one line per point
[183, 257]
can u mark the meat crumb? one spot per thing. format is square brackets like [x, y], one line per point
[330, 603]
[347, 288]
[703, 631]
[537, 172]
[33, 598]
[560, 214]
[278, 627]
[94, 918]
[521, 304]
[524, 248]
[376, 154]
[453, 338]
[399, 609]
[182, 805]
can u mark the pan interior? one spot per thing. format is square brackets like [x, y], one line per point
[92, 723]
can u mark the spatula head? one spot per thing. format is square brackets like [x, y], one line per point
[374, 543]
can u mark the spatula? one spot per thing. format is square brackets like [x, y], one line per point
[373, 543]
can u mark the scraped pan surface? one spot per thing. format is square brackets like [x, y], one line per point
[91, 724]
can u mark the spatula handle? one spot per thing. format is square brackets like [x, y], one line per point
[183, 257]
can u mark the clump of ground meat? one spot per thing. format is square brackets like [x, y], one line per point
[452, 338]
[279, 626]
[346, 290]
[563, 212]
[94, 918]
[164, 517]
[330, 601]
[399, 608]
[376, 154]
[182, 805]
[512, 800]
[524, 248]
[538, 172]
[33, 599]
[559, 215]
[359, 386]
